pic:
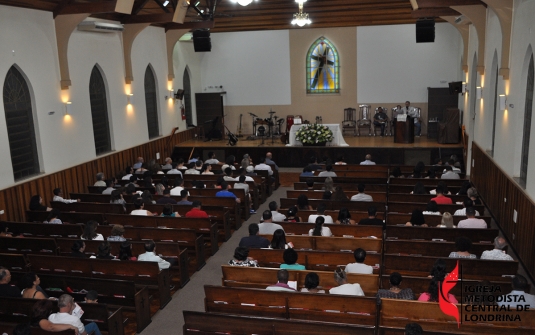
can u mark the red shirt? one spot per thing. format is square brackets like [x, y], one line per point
[196, 213]
[442, 200]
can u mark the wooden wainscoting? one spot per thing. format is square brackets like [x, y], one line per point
[14, 200]
[494, 185]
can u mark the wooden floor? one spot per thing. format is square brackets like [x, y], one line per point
[353, 141]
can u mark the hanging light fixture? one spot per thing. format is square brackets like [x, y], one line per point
[301, 18]
[243, 2]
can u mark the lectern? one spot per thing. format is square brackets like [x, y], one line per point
[404, 131]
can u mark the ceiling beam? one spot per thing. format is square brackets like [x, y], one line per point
[190, 25]
[60, 7]
[165, 9]
[88, 8]
[149, 18]
[139, 6]
[434, 12]
[447, 3]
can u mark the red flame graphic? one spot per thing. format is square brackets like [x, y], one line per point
[446, 306]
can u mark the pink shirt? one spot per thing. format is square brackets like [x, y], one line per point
[425, 297]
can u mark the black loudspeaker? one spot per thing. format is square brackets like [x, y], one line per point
[201, 41]
[456, 87]
[425, 31]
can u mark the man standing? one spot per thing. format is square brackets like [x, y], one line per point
[380, 119]
[66, 306]
[471, 221]
[268, 227]
[412, 112]
[497, 253]
[254, 240]
[150, 256]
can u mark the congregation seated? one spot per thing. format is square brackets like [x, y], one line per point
[267, 227]
[359, 266]
[41, 310]
[518, 296]
[292, 215]
[372, 219]
[471, 221]
[253, 240]
[53, 217]
[90, 232]
[77, 249]
[290, 258]
[320, 213]
[241, 258]
[361, 196]
[30, 286]
[36, 204]
[279, 240]
[462, 245]
[344, 288]
[417, 219]
[282, 282]
[497, 253]
[320, 229]
[395, 292]
[312, 281]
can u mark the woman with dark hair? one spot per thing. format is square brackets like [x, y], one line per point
[432, 292]
[431, 208]
[279, 240]
[36, 204]
[290, 260]
[307, 172]
[90, 232]
[431, 173]
[438, 269]
[463, 245]
[147, 198]
[29, 283]
[340, 160]
[326, 195]
[344, 217]
[125, 252]
[77, 249]
[312, 281]
[130, 188]
[147, 183]
[206, 169]
[319, 229]
[395, 292]
[302, 203]
[241, 258]
[464, 188]
[339, 194]
[417, 219]
[53, 217]
[291, 215]
[396, 173]
[104, 251]
[419, 188]
[168, 211]
[40, 313]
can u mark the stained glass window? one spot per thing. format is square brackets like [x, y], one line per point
[323, 67]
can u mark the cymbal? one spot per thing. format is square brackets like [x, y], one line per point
[253, 114]
[272, 112]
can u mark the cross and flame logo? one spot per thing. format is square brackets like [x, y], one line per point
[445, 304]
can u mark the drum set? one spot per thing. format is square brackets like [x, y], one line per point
[268, 127]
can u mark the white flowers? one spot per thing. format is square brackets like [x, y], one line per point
[314, 133]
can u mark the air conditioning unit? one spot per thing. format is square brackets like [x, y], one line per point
[100, 27]
[462, 20]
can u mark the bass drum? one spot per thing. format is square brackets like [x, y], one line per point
[261, 131]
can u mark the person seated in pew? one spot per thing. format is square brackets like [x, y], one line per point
[41, 310]
[90, 232]
[417, 219]
[292, 215]
[278, 241]
[359, 266]
[361, 196]
[151, 256]
[231, 162]
[432, 292]
[466, 203]
[282, 282]
[395, 292]
[269, 160]
[91, 297]
[444, 188]
[77, 249]
[343, 287]
[290, 257]
[307, 172]
[302, 203]
[446, 221]
[117, 232]
[139, 206]
[184, 198]
[264, 166]
[419, 188]
[178, 186]
[22, 329]
[310, 184]
[254, 240]
[328, 172]
[175, 170]
[339, 194]
[196, 211]
[128, 173]
[372, 219]
[243, 172]
[7, 289]
[100, 180]
[110, 187]
[344, 217]
[246, 161]
[125, 252]
[30, 286]
[159, 188]
[168, 164]
[168, 212]
[225, 193]
[368, 160]
[474, 196]
[249, 171]
[53, 217]
[241, 258]
[267, 227]
[104, 251]
[58, 196]
[464, 188]
[241, 184]
[166, 198]
[192, 169]
[326, 195]
[463, 245]
[340, 160]
[181, 165]
[431, 209]
[227, 174]
[471, 221]
[413, 329]
[117, 197]
[313, 164]
[497, 253]
[130, 189]
[212, 160]
[396, 173]
[274, 207]
[139, 163]
[312, 281]
[449, 173]
[65, 315]
[513, 299]
[440, 199]
[147, 198]
[319, 229]
[36, 204]
[320, 213]
[431, 173]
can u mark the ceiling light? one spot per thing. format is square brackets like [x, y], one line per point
[301, 18]
[243, 2]
[165, 3]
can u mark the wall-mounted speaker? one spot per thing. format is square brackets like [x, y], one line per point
[201, 41]
[425, 31]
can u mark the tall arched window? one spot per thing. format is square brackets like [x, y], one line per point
[187, 97]
[20, 128]
[527, 124]
[322, 67]
[99, 112]
[151, 104]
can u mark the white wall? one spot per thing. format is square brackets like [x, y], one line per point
[253, 67]
[185, 57]
[392, 67]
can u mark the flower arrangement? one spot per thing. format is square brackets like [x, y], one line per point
[314, 134]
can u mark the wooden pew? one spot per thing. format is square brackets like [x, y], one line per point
[333, 243]
[420, 266]
[336, 205]
[45, 230]
[142, 273]
[168, 250]
[240, 193]
[358, 178]
[377, 196]
[355, 215]
[408, 207]
[40, 246]
[430, 248]
[361, 168]
[14, 262]
[447, 234]
[403, 197]
[430, 220]
[302, 228]
[407, 189]
[217, 323]
[260, 181]
[65, 216]
[397, 313]
[427, 182]
[8, 327]
[313, 259]
[108, 319]
[112, 292]
[241, 276]
[346, 187]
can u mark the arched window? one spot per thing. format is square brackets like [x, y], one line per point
[151, 104]
[20, 128]
[527, 124]
[187, 97]
[99, 112]
[322, 67]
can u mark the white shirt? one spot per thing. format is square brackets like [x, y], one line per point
[268, 228]
[176, 190]
[359, 268]
[325, 231]
[278, 217]
[361, 197]
[462, 212]
[496, 254]
[430, 213]
[66, 318]
[108, 190]
[347, 289]
[99, 237]
[100, 183]
[367, 162]
[312, 218]
[529, 299]
[192, 171]
[127, 177]
[211, 161]
[139, 212]
[244, 186]
[152, 257]
[263, 166]
[450, 175]
[174, 171]
[472, 223]
[327, 174]
[60, 199]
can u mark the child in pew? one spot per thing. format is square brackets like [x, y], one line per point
[91, 297]
[343, 287]
[312, 281]
[413, 329]
[290, 257]
[241, 258]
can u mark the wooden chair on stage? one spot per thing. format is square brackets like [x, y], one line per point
[350, 121]
[364, 120]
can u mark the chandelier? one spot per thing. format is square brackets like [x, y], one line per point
[301, 18]
[243, 2]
